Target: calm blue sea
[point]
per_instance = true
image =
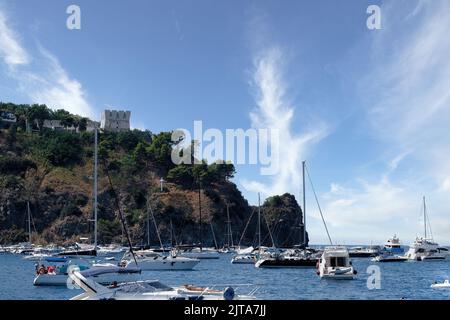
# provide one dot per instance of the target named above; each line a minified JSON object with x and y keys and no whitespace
{"x":408,"y":280}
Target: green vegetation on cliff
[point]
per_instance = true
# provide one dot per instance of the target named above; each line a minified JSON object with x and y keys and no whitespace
{"x":53,"y":171}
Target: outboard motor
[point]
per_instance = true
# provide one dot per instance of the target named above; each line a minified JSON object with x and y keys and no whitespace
{"x":228,"y":294}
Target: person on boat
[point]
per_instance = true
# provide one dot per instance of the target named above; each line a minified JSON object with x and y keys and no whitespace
{"x":42,"y":270}
{"x":50,"y":269}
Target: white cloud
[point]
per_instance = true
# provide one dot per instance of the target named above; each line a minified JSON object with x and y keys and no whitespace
{"x":52,"y":85}
{"x":408,"y":110}
{"x":275,"y":112}
{"x":10,"y":49}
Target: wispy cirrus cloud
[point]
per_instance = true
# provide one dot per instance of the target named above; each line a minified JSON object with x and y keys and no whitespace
{"x":51,"y":85}
{"x":274,"y":112}
{"x":408,"y":112}
{"x":10,"y":50}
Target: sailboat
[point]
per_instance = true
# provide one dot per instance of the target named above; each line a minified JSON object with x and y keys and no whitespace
{"x":198,"y":252}
{"x":150,"y":260}
{"x":293,"y":258}
{"x":424,"y":248}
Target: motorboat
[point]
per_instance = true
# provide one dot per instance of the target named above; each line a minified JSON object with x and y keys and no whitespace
{"x":101,"y":273}
{"x":424,"y":250}
{"x":393,"y":245}
{"x":363,"y":252}
{"x":199,"y":253}
{"x":335,"y":264}
{"x":389,"y":257}
{"x":244,"y":259}
{"x":153,"y":261}
{"x":149,"y":290}
{"x":288,"y":259}
{"x":443,"y":285}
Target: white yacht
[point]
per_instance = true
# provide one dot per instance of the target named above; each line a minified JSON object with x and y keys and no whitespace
{"x":443,"y":285}
{"x":244,"y":259}
{"x":335,"y":264}
{"x":393,"y":245}
{"x":423,"y":248}
{"x":149,"y":290}
{"x":151,"y":261}
{"x":199,"y":253}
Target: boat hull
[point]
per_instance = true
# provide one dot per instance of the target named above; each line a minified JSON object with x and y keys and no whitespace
{"x":61,"y":280}
{"x":167,"y":264}
{"x":286,"y":263}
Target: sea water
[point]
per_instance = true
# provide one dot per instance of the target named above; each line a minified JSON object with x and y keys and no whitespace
{"x":402,"y":280}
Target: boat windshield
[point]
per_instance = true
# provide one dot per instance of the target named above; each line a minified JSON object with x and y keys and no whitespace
{"x":338,"y":261}
{"x":144,"y":287}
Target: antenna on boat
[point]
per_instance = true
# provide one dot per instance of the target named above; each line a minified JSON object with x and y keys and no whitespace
{"x":318,"y":205}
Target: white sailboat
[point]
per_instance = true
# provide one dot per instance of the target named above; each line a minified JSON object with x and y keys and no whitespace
{"x":424,"y":248}
{"x":153,"y":261}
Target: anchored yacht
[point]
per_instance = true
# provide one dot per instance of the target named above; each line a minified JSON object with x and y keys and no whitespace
{"x":335,"y":264}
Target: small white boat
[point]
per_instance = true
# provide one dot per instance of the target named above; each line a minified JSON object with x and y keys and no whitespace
{"x":244,"y":259}
{"x":387,"y":257}
{"x":444,"y":285}
{"x":37,"y":257}
{"x":149,"y":290}
{"x":154,"y":261}
{"x":335,"y":264}
{"x":197,"y":253}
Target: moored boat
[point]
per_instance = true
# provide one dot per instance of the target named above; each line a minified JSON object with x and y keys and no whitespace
{"x":335,"y":264}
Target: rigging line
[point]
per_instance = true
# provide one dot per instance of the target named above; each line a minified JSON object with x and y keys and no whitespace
{"x":246,"y":226}
{"x":268,"y":228}
{"x":214,"y":235}
{"x":318,"y":205}
{"x":122,"y":219}
{"x":149,"y":206}
{"x":428,"y":223}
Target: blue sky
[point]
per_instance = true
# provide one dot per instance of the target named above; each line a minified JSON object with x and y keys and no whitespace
{"x":370,"y":108}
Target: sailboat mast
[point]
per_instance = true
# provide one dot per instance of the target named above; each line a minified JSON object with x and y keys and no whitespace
{"x":425,"y":217}
{"x":229,"y":233}
{"x":200,"y":213}
{"x":29,"y":221}
{"x":259,"y":220}
{"x":304,"y":204}
{"x":171,"y":233}
{"x":95,"y":186}
{"x":148,"y":228}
